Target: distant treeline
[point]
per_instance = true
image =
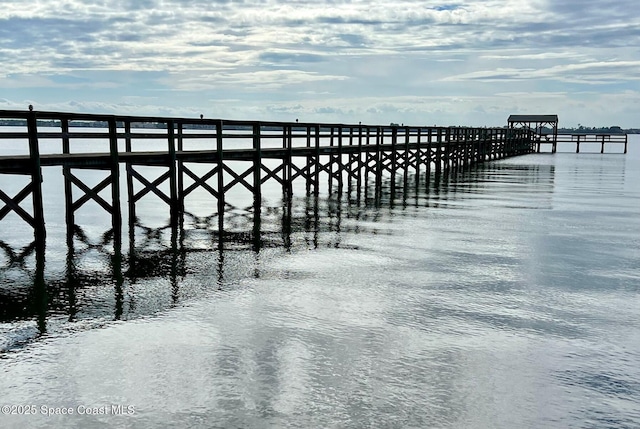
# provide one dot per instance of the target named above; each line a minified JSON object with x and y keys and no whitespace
{"x":91,"y":124}
{"x":159,"y":125}
{"x":119,"y":124}
{"x":594,"y":130}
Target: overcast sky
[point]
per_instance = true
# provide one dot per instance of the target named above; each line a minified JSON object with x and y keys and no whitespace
{"x":424,"y":62}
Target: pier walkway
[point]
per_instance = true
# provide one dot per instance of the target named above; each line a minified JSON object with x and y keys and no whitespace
{"x":341,"y":153}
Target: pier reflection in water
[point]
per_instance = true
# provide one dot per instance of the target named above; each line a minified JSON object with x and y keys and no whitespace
{"x":185,"y":260}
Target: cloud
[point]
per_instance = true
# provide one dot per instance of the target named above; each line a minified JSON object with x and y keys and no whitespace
{"x":359,"y":58}
{"x":587,"y":73}
{"x":289,"y":57}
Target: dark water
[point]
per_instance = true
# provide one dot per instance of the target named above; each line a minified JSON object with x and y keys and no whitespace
{"x":503,"y":297}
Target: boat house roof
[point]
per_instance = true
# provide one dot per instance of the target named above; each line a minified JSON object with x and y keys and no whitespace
{"x":533,"y":118}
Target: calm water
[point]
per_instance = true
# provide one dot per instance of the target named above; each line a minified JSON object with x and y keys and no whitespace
{"x":503,"y":297}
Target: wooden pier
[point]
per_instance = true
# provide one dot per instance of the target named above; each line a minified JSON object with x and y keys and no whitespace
{"x":346,"y":155}
{"x":545,"y":129}
{"x":588,"y":140}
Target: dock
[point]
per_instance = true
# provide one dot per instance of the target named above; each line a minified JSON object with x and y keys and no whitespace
{"x":350,"y":155}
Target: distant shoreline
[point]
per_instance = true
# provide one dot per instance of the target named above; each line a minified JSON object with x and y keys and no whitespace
{"x":101,"y":124}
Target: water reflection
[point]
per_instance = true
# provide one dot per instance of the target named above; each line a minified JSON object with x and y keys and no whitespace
{"x":151,"y":275}
{"x":101,"y":282}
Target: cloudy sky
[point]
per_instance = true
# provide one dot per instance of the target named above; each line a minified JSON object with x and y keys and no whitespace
{"x":426,"y":62}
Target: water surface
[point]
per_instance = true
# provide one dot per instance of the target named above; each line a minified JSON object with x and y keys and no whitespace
{"x":505,"y":296}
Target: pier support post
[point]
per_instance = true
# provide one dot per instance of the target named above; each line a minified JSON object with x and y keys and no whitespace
{"x":340,"y":163}
{"x":219,"y":145}
{"x":36,"y":182}
{"x":429,"y":155}
{"x":438,"y":161}
{"x":406,"y":158}
{"x":180,"y":171}
{"x":626,"y":139}
{"x":287,"y":181}
{"x":173,"y":195}
{"x":394,"y":159}
{"x":116,"y":215}
{"x":379,"y":166}
{"x":309,"y":161}
{"x":330,"y":166}
{"x":419,"y":154}
{"x":316,"y":173}
{"x":361,"y":165}
{"x":130,"y":191}
{"x":68,"y":193}
{"x":350,"y":160}
{"x":257,"y":186}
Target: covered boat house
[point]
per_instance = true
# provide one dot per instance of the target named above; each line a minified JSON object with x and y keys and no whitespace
{"x":544,"y":126}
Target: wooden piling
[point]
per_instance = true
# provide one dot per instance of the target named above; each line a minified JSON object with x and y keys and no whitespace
{"x":116,"y":215}
{"x":220,"y":159}
{"x":438,"y":160}
{"x":36,"y":182}
{"x":180,"y":169}
{"x":68,"y":192}
{"x":340,"y":161}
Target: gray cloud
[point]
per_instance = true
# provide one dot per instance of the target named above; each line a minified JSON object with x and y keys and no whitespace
{"x":290,"y":57}
{"x":320,"y":55}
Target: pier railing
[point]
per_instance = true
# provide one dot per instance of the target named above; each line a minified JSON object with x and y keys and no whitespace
{"x":343,"y":153}
{"x":582,"y":139}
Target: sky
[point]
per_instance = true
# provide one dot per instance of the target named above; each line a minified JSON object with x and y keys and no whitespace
{"x":424,"y":62}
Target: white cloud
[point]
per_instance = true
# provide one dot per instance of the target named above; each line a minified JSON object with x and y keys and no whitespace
{"x":586,"y":73}
{"x":354,"y":58}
